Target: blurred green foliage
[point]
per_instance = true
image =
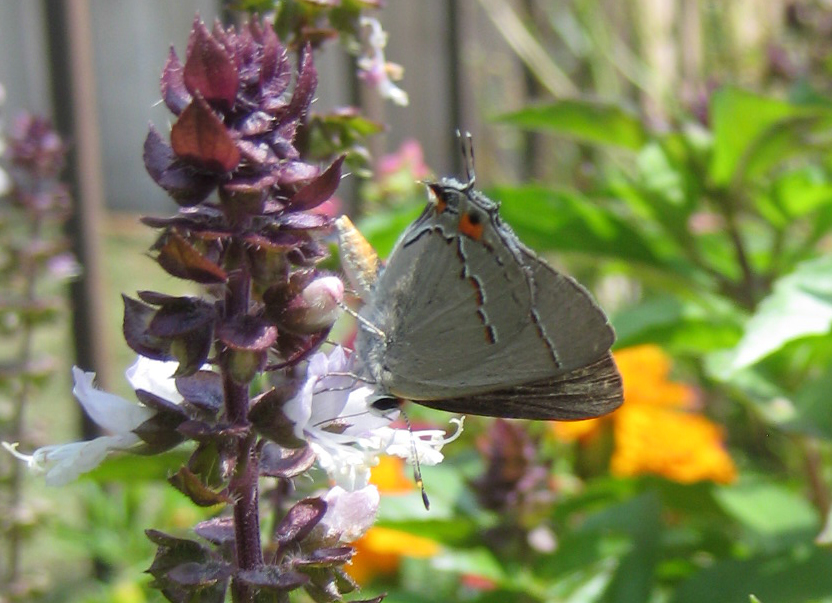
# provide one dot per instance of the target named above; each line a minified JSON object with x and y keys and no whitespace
{"x":722,"y":231}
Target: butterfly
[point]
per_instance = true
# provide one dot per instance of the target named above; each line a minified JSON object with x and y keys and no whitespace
{"x":465,"y":318}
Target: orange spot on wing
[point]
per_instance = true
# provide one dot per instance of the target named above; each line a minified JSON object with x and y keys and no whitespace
{"x":470,"y":228}
{"x":477,"y":291}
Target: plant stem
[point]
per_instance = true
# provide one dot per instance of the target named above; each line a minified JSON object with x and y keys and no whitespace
{"x":747,"y":293}
{"x":244,"y":486}
{"x":814,"y":470}
{"x":29,"y":271}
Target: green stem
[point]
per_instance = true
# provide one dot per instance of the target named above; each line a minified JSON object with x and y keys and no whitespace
{"x":29,"y":271}
{"x":813,"y":462}
{"x":747,"y":293}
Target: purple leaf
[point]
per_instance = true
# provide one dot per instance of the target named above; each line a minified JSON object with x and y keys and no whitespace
{"x":172,"y":85}
{"x":267,"y":417}
{"x":159,"y":432}
{"x":304,"y":221}
{"x":272,"y":578}
{"x":203,"y":390}
{"x":209,"y":70}
{"x":275,"y":70}
{"x":137,"y":318}
{"x":159,"y":404}
{"x":181,"y":315}
{"x":295,"y":174}
{"x":200,"y":136}
{"x":200,"y":574}
{"x":326,"y":557}
{"x":219,"y":530}
{"x":305,"y":86}
{"x":255,"y":124}
{"x":249,"y":333}
{"x":319,"y":190}
{"x":186,"y":186}
{"x":182,"y":260}
{"x":296,"y":348}
{"x":285,"y":463}
{"x":299,"y":521}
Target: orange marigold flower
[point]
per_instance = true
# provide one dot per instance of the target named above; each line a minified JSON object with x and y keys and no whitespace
{"x":379,"y":551}
{"x":657,"y":430}
{"x":645,"y":370}
{"x":389,"y":476}
{"x":570,"y":431}
{"x":681,"y":446}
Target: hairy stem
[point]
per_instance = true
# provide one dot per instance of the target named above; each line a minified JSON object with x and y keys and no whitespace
{"x":244,"y":487}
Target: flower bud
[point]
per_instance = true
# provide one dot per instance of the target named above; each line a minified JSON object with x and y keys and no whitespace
{"x":316,"y":307}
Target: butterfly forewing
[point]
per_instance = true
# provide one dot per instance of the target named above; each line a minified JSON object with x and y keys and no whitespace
{"x":470,"y":319}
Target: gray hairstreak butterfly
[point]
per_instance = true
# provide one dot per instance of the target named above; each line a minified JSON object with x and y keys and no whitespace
{"x":465,"y":318}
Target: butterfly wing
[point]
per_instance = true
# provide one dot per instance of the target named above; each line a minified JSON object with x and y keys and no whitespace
{"x":457,"y":312}
{"x":582,"y":393}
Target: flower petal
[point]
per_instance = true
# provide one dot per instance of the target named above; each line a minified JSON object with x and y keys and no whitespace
{"x":111,"y":412}
{"x":156,"y":377}
{"x":351,"y":514}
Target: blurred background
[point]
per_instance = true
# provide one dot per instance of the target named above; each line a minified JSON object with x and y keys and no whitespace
{"x":672,"y":154}
{"x":94,"y":68}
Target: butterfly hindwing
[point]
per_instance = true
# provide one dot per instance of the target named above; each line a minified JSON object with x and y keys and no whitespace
{"x":475,"y":322}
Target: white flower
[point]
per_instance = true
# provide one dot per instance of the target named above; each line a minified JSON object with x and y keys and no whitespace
{"x":374,"y":68}
{"x":349,"y":514}
{"x":345,"y":433}
{"x":63,"y":463}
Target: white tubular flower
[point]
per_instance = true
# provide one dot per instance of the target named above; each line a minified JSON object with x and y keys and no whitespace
{"x":346,"y":435}
{"x":63,"y":463}
{"x":350,"y":514}
{"x":374,"y":68}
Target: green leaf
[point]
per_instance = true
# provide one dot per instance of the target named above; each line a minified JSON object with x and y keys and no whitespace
{"x":800,"y":192}
{"x":577,"y":552}
{"x":799,"y":306}
{"x":139,"y":468}
{"x":584,"y":120}
{"x":660,"y":194}
{"x":775,"y":515}
{"x":382,"y":230}
{"x":658,"y":175}
{"x":565,"y":221}
{"x":739,"y":118}
{"x":786,"y":578}
{"x":476,"y":562}
{"x":813,"y":407}
{"x":543,"y":219}
{"x":681,"y":325}
{"x":780,"y":141}
{"x":442,"y":485}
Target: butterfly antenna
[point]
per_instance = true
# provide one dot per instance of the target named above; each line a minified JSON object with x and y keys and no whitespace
{"x":362,"y":320}
{"x":417,"y":466}
{"x":466,"y":143}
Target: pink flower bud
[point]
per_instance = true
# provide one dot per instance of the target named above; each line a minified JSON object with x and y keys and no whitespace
{"x":322,"y":300}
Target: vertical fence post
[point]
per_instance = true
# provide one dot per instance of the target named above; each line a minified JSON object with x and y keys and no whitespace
{"x":76,"y":117}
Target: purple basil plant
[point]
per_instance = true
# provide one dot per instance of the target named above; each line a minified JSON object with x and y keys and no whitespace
{"x":34,"y":257}
{"x":236,"y":163}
